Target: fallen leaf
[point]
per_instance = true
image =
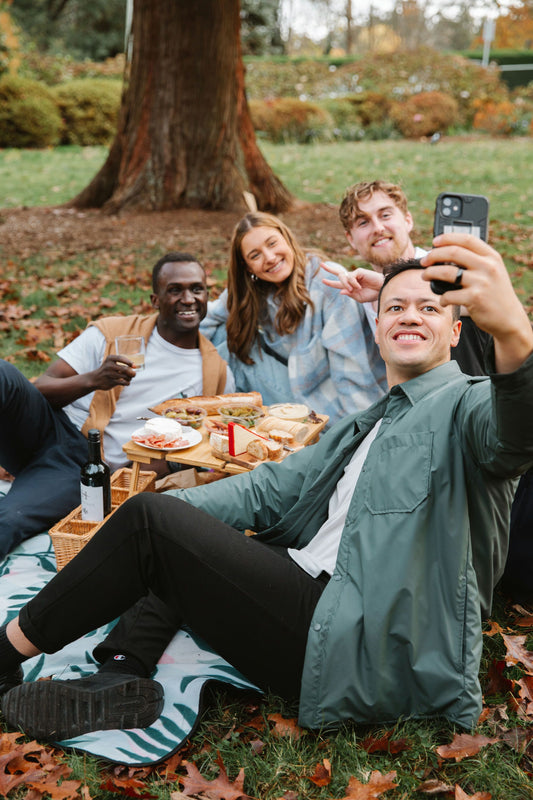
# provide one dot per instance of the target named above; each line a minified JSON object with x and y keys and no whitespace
{"x":460,"y":795}
{"x":322,"y":774}
{"x":385,"y":744}
{"x":376,"y":786}
{"x":498,"y":683}
{"x":131,"y":787}
{"x":66,"y":790}
{"x":285,"y":727}
{"x":464,"y":745}
{"x":524,"y":622}
{"x":434,"y":786}
{"x":526,"y":688}
{"x":517,"y":738}
{"x":221,"y":788}
{"x":517,"y":653}
{"x":521,"y":610}
{"x":493,"y":628}
{"x":169,"y":766}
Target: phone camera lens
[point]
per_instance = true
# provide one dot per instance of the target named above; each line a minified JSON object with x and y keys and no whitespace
{"x":446,"y":212}
{"x":447,"y":201}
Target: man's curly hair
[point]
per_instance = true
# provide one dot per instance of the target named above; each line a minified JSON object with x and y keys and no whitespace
{"x":349,"y":210}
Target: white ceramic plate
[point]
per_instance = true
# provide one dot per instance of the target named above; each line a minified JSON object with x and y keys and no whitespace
{"x":191,"y":436}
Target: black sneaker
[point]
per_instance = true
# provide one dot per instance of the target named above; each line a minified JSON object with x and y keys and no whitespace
{"x":64,"y":709}
{"x":8,"y":680}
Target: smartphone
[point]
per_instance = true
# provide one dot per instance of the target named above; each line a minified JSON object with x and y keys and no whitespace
{"x":456,"y":212}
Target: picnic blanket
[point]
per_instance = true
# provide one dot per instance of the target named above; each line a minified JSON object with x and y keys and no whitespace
{"x":184,"y":670}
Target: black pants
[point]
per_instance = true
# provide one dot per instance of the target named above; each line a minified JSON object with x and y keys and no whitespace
{"x":245,"y":599}
{"x":44,"y":451}
{"x":517,"y":581}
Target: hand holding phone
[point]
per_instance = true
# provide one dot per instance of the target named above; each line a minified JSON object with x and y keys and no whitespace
{"x":456,"y":212}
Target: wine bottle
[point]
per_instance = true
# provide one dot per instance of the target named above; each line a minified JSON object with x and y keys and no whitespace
{"x":95,"y":483}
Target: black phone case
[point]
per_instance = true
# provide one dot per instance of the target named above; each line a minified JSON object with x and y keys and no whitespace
{"x":456,"y":212}
{"x":468,"y":213}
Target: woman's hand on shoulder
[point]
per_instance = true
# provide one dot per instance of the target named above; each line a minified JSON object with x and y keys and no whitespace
{"x":362,"y":285}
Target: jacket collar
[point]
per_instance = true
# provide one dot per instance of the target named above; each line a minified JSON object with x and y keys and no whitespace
{"x":414,"y":390}
{"x":417,"y":388}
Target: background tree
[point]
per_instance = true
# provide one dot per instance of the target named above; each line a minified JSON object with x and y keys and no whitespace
{"x":514,"y":28}
{"x":409,"y":21}
{"x":454,"y":33}
{"x":260,"y":27}
{"x":92,"y":30}
{"x":185,"y":137}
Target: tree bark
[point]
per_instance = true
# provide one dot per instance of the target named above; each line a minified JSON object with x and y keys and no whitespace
{"x":185,"y":137}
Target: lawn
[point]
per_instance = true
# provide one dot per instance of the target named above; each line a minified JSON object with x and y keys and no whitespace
{"x":50,"y":286}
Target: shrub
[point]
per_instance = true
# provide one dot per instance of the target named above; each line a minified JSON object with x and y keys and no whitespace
{"x":393,"y":75}
{"x":372,"y":107}
{"x":425,"y":114}
{"x":499,"y":118}
{"x":55,"y":69}
{"x":347,"y":124}
{"x":89,"y":109}
{"x":29,"y":116}
{"x":289,"y":120}
{"x":360,"y":116}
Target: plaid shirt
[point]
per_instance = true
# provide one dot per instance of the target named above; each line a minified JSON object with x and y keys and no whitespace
{"x":334,"y":365}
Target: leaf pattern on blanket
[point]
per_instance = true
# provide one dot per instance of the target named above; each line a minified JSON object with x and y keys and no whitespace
{"x":184,"y":670}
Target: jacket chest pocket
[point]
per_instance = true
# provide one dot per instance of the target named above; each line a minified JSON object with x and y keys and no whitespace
{"x":399,"y":473}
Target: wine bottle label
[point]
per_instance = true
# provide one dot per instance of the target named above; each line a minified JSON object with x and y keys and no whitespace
{"x":92,"y":503}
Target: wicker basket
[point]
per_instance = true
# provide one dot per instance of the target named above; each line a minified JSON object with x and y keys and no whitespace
{"x":72,"y":533}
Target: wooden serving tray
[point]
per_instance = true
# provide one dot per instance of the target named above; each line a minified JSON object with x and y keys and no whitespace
{"x":249,"y":462}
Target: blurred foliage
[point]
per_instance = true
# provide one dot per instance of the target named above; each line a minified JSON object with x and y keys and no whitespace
{"x":29,"y":116}
{"x":286,"y":119}
{"x":89,"y":108}
{"x":501,"y":118}
{"x":260,"y":27}
{"x":425,"y":114}
{"x":92,"y":30}
{"x":9,"y":41}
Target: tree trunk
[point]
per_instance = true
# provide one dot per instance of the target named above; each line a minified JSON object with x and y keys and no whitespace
{"x":185,"y":137}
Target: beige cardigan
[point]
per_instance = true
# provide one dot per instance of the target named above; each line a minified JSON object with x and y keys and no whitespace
{"x":103,"y":404}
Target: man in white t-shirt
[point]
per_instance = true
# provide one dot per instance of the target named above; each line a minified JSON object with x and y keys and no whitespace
{"x":42,"y":425}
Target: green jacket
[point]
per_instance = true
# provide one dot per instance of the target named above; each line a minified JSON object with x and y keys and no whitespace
{"x":397,"y":631}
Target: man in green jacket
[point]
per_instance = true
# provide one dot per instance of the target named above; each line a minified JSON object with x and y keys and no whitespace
{"x":358,"y":595}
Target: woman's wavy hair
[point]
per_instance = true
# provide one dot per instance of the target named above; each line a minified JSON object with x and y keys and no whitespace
{"x":247,"y":307}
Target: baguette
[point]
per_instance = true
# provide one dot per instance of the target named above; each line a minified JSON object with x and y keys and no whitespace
{"x":297,"y":429}
{"x":257,"y":449}
{"x":275,"y":449}
{"x":210,"y":404}
{"x":283,"y":437}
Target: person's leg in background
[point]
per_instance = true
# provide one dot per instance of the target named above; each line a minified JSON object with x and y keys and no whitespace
{"x":44,"y":451}
{"x":517,"y":580}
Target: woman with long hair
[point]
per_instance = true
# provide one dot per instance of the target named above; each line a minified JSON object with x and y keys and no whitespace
{"x":286,"y":334}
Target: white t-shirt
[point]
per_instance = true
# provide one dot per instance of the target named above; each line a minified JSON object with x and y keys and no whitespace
{"x":170,"y":371}
{"x":320,"y":555}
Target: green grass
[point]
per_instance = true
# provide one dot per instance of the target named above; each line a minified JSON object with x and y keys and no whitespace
{"x":59,"y":292}
{"x":46,"y":177}
{"x":494,"y":167}
{"x":499,"y":168}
